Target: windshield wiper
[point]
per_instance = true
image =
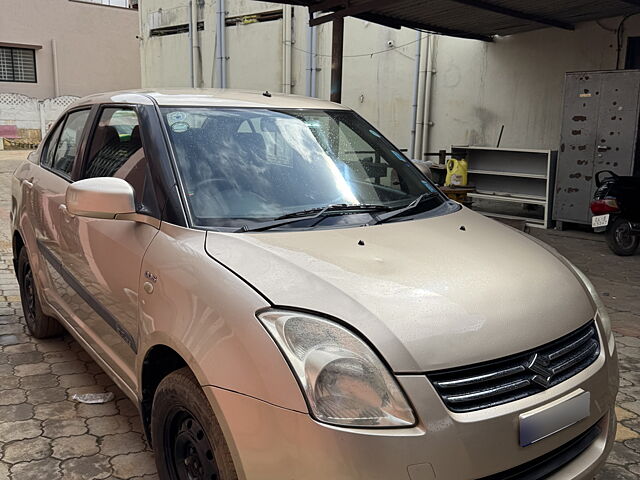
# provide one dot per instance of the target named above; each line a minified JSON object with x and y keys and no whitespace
{"x":400,"y":211}
{"x":310,"y":214}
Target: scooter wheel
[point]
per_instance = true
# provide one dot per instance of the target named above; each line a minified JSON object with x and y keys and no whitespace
{"x":621,"y":239}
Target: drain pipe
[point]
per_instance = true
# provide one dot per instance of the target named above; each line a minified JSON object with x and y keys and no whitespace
{"x":309,"y":56}
{"x":223,"y":41}
{"x":312,"y":58}
{"x":314,"y":62}
{"x":416,"y":91}
{"x":286,"y":49}
{"x":191,"y":66}
{"x":420,"y":120}
{"x":195,"y":45}
{"x":56,"y":75}
{"x":427,"y":94}
{"x":220,"y":46}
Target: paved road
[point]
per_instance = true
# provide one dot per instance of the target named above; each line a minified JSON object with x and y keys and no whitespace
{"x":46,"y":436}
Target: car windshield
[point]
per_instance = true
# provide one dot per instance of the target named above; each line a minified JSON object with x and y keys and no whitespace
{"x":241,"y":166}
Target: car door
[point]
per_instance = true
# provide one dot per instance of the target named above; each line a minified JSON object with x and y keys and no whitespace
{"x":103,"y":257}
{"x":49,"y":185}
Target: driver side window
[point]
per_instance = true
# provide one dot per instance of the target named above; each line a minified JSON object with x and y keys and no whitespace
{"x":116,"y":151}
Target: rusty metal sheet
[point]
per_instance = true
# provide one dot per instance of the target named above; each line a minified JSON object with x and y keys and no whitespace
{"x":599,"y":132}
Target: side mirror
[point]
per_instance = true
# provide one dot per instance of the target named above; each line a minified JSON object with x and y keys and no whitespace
{"x":102,"y":197}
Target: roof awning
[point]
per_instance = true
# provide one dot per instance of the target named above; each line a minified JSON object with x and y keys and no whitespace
{"x":477,"y":19}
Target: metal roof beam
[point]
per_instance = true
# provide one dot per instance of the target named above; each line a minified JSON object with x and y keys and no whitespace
{"x":349,"y":10}
{"x":386,"y":21}
{"x":481,"y":4}
{"x":327,"y":5}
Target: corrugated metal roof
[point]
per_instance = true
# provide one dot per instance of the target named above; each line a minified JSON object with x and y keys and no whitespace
{"x":474,"y":18}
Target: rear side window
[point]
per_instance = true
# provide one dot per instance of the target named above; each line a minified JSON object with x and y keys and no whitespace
{"x":67,"y":148}
{"x":50,"y":147}
{"x":116,"y":151}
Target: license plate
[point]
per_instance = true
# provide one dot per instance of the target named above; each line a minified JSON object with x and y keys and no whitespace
{"x":554,"y":417}
{"x":600,"y":221}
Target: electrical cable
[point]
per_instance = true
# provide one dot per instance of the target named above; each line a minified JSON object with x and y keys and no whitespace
{"x":390,"y":49}
{"x":620,"y":38}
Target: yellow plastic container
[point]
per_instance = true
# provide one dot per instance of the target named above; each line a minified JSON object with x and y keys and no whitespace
{"x":456,"y":173}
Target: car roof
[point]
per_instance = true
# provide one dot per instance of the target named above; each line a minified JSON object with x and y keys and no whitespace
{"x":210,"y":97}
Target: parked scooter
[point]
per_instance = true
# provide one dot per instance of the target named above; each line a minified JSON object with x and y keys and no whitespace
{"x":616,"y":210}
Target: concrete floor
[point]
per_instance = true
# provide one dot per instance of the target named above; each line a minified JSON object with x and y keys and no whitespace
{"x":45,"y":435}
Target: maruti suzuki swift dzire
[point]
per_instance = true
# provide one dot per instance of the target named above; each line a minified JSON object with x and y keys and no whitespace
{"x":271,"y":282}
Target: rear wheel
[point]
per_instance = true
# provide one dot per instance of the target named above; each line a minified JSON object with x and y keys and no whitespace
{"x":621,"y":238}
{"x":186,"y":436}
{"x":39,"y":324}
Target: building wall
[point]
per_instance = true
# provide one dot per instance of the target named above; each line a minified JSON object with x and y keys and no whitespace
{"x":477,"y":87}
{"x":515,"y":81}
{"x":97,"y":49}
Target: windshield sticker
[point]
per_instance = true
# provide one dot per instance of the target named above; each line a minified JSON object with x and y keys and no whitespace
{"x":180,"y":127}
{"x":175,"y":117}
{"x":374,"y":133}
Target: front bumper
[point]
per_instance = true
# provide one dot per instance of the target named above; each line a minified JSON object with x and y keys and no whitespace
{"x":269,"y":442}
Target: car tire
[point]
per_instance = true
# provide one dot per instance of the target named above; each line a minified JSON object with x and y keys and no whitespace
{"x":186,"y":436}
{"x":39,"y":324}
{"x":620,"y":239}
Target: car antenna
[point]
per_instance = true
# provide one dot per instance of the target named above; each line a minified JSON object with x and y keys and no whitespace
{"x":266,"y":94}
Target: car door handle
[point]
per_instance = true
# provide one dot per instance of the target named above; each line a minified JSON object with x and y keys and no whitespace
{"x":63,"y":208}
{"x":27,"y":183}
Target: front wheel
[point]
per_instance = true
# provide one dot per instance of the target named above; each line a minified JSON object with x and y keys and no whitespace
{"x":187,"y":438}
{"x":621,"y":238}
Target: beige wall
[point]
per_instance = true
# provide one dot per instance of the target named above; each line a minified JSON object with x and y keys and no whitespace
{"x":97,"y":48}
{"x":516,"y":81}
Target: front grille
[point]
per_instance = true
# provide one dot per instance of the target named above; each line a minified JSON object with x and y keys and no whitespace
{"x":507,"y":379}
{"x":549,"y":463}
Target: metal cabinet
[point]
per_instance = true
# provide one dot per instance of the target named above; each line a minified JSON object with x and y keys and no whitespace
{"x":599,"y":132}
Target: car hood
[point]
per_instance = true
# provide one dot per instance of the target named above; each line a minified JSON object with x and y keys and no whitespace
{"x":428,"y":294}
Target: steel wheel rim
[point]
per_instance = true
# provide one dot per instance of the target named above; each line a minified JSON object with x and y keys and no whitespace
{"x":187,"y":448}
{"x":623,"y":235}
{"x":29,"y":295}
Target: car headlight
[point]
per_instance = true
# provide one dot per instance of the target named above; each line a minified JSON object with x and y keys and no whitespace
{"x":343,"y":380}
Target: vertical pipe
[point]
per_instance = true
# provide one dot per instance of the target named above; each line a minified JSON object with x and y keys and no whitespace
{"x":223,"y":41}
{"x":43,"y":124}
{"x":309,"y":57}
{"x":219,"y":44}
{"x":286,"y":49}
{"x":416,"y":91}
{"x":314,"y":59}
{"x":191,"y":66}
{"x":337,"y":48}
{"x":56,"y":77}
{"x":419,"y":154}
{"x":427,"y":95}
{"x":195,"y":47}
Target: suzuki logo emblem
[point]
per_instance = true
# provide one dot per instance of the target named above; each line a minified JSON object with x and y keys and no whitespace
{"x":537,"y":364}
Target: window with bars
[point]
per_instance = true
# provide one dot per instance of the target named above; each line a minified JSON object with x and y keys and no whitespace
{"x":17,"y":65}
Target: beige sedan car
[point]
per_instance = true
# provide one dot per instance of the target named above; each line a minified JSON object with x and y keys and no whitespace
{"x":286,"y":296}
